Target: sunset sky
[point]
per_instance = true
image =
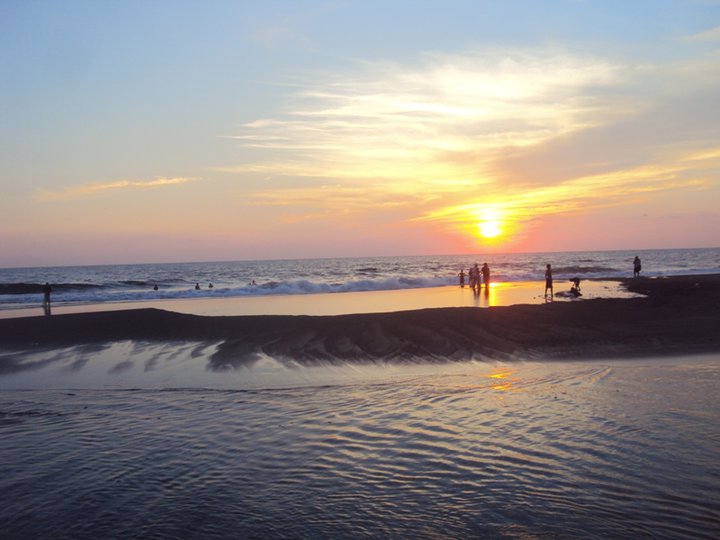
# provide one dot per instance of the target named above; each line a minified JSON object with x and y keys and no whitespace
{"x":156,"y":131}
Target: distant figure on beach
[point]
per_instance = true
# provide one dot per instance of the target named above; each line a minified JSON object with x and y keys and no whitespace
{"x":197,"y":286}
{"x":548,"y":281}
{"x":575,"y":287}
{"x":486,"y":275}
{"x":475,"y":279}
{"x":155,"y":288}
{"x":46,"y":297}
{"x":461,"y":275}
{"x":637,"y":266}
{"x":210,"y":285}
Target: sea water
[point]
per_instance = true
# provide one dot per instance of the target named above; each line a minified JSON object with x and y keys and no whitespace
{"x":22,"y":287}
{"x":139,"y":441}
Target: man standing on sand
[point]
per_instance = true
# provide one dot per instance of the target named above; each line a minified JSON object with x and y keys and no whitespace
{"x":548,"y":281}
{"x":637,"y":266}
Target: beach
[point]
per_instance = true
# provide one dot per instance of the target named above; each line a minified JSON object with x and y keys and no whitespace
{"x":674,"y":316}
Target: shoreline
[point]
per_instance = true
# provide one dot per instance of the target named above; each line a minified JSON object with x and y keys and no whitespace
{"x":347,"y":303}
{"x":679,"y":316}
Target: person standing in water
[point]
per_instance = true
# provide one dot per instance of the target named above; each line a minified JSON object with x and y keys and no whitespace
{"x":637,"y":266}
{"x":461,"y":275}
{"x":471,"y":277}
{"x":486,"y":275}
{"x":46,"y":297}
{"x":548,"y":281}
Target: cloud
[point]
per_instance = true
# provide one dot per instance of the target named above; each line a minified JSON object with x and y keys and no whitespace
{"x":327,"y":201}
{"x":91,"y":189}
{"x":708,"y":35}
{"x":512,"y":135}
{"x":446,"y":118}
{"x":703,"y":155}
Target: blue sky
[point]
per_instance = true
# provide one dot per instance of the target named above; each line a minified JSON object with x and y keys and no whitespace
{"x":167,"y":131}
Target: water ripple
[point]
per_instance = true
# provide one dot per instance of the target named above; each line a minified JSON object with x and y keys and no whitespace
{"x":504,"y":452}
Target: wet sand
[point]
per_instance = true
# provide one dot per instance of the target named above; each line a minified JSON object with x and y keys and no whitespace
{"x":679,"y":316}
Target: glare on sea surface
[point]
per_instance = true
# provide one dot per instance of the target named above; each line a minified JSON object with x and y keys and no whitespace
{"x":501,"y":379}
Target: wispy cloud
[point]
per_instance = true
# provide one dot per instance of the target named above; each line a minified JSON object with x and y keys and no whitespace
{"x":708,"y":35}
{"x":115,"y":185}
{"x":430,"y":143}
{"x":337,"y":200}
{"x":704,"y":155}
{"x":447,"y":118}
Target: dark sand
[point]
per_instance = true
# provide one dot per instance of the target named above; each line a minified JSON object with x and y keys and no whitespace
{"x":679,"y":316}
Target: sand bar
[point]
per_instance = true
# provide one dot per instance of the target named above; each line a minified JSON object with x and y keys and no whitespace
{"x":679,"y":316}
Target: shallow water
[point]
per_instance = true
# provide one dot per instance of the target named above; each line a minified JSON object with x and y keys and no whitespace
{"x":517,"y":450}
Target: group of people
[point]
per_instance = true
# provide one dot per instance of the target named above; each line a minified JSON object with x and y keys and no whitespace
{"x":476,"y":277}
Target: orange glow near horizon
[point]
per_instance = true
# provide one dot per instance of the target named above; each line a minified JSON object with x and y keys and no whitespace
{"x":508,"y":217}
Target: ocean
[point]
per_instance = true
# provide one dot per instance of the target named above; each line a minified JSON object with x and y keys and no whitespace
{"x":22,"y":287}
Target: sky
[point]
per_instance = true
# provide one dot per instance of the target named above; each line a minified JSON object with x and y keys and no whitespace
{"x":172,"y":131}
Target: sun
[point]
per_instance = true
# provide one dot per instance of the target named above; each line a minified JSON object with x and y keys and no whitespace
{"x":489,"y":229}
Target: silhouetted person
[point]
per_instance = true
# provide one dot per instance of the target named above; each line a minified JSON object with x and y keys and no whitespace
{"x":475,"y":278}
{"x":46,"y":294}
{"x":210,"y":285}
{"x":548,"y":280}
{"x":637,"y":266}
{"x":155,"y":288}
{"x":461,"y":275}
{"x":486,"y":275}
{"x":197,"y":286}
{"x":575,"y":287}
{"x":46,"y":297}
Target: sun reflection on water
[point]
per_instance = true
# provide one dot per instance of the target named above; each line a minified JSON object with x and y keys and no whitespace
{"x":501,"y":379}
